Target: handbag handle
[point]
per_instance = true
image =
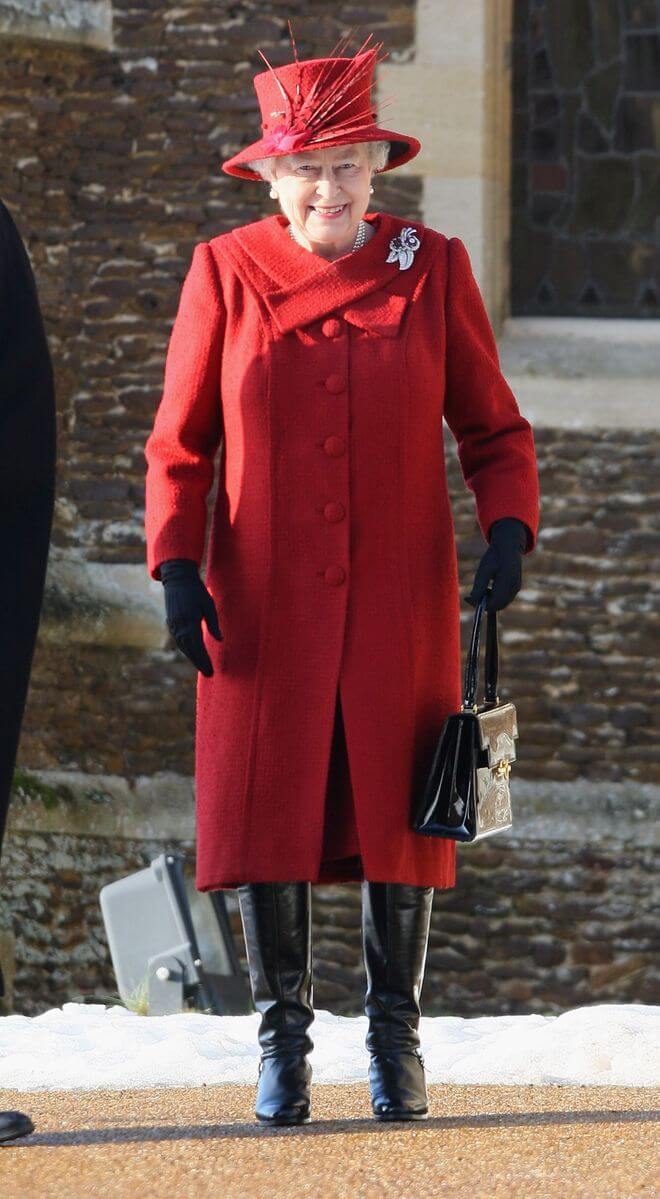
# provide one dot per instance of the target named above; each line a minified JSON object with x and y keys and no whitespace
{"x":471,"y":677}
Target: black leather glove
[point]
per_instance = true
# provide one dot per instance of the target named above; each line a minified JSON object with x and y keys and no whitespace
{"x":501,"y":562}
{"x":187,"y":601}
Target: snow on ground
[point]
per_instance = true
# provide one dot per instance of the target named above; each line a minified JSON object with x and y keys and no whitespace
{"x":91,"y":1046}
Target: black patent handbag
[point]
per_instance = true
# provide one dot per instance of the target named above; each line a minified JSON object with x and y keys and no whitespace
{"x":467,"y":794}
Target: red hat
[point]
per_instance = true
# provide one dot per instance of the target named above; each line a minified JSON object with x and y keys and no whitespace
{"x":317,"y":102}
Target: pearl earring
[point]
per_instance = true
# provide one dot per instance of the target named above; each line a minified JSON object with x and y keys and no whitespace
{"x":371,"y":191}
{"x":272,"y":193}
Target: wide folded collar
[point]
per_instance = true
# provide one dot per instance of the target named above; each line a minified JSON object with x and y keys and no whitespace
{"x":299,"y":286}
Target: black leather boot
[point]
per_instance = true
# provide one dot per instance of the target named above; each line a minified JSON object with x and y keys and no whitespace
{"x":396,"y":918}
{"x":277,"y":924}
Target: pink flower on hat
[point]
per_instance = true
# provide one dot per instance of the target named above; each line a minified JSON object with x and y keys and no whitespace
{"x":286,"y":140}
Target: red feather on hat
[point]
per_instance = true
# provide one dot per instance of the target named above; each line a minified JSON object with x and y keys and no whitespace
{"x":316,"y":117}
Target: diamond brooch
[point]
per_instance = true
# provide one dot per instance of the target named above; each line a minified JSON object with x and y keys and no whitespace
{"x":402,"y":247}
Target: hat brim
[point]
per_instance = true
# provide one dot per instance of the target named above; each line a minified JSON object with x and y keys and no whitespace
{"x":402,"y":149}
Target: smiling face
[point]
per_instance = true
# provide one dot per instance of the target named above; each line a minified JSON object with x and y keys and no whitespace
{"x":311,"y":184}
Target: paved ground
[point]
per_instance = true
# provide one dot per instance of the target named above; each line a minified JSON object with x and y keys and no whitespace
{"x":483,"y":1142}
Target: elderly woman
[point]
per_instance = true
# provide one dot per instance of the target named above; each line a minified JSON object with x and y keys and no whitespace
{"x":321,"y":347}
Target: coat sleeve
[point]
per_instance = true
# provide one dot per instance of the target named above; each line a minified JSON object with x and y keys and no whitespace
{"x":188,"y":425}
{"x":495,"y":442}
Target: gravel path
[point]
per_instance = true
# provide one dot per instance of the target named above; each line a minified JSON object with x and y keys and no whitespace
{"x":480,"y":1142}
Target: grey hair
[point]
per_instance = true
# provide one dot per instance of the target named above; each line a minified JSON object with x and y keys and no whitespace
{"x":377,"y":153}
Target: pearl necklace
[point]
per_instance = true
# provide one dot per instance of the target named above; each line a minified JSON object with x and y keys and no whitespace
{"x":360,"y":236}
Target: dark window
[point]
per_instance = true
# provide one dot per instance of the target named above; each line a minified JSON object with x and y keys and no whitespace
{"x":586,"y":158}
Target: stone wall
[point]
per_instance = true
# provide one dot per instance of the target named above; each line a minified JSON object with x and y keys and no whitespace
{"x":111,"y":168}
{"x":534,"y":924}
{"x":553,"y":919}
{"x":579,"y":644}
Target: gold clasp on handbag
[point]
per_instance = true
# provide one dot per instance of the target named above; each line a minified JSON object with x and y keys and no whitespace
{"x":503,"y":769}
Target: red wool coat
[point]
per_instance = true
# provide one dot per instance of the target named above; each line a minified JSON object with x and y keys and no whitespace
{"x":331,"y":554}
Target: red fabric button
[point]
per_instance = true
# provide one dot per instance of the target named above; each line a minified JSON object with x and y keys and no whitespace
{"x":334,"y":575}
{"x":335,"y":383}
{"x":332,"y":327}
{"x":334,"y":446}
{"x":334,"y":511}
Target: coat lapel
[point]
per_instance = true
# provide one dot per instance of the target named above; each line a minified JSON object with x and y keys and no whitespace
{"x":298,"y":286}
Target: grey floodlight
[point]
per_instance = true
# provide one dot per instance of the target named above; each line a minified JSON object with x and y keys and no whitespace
{"x":171,"y":946}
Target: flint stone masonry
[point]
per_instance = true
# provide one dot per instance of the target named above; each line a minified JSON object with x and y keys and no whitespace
{"x":110,"y":167}
{"x":111,"y":762}
{"x":534,"y":926}
{"x":578,"y":646}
